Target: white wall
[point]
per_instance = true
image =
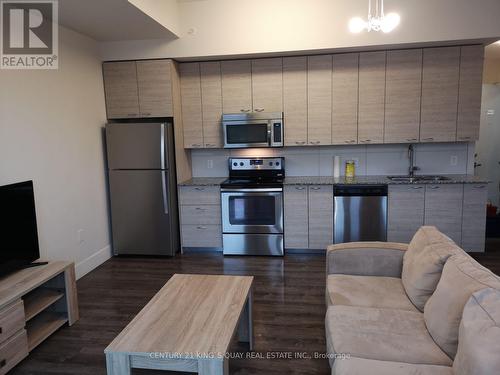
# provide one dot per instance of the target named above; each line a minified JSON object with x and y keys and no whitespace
{"x":50,"y":132}
{"x":238,"y":27}
{"x":370,"y":159}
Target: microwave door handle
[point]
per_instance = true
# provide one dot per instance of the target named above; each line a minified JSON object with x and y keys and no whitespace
{"x":269,"y":133}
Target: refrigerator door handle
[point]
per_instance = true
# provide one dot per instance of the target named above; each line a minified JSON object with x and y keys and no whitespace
{"x":164,"y":189}
{"x":162,"y":146}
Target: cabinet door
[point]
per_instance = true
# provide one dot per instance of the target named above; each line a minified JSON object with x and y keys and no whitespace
{"x":371,"y":97}
{"x":440,"y":73}
{"x":191,"y":104}
{"x":154,"y":80}
{"x":201,"y":235}
{"x":320,"y":216}
{"x":296,"y":217}
{"x":469,"y":93}
{"x":295,"y":100}
{"x":474,"y":217}
{"x":405,"y":212}
{"x":443,"y":209}
{"x":319,"y":100}
{"x":345,"y":98}
{"x":267,"y":85}
{"x":211,"y":100}
{"x":120,"y":86}
{"x":236,"y":86}
{"x":402,"y":96}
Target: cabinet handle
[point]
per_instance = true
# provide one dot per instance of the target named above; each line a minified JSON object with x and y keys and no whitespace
{"x":315,"y":142}
{"x":428,"y":139}
{"x":366,"y":140}
{"x":146,"y":114}
{"x":199,"y":188}
{"x":315,"y":188}
{"x":299,"y":188}
{"x":195,"y":145}
{"x":479,"y":187}
{"x":351,"y":141}
{"x":201,"y":227}
{"x":210,"y":144}
{"x":3,"y":362}
{"x":300,"y":142}
{"x":433,"y":187}
{"x":464,"y":137}
{"x":416,"y":187}
{"x":200,"y":209}
{"x":411,"y":139}
{"x":244,"y":110}
{"x":259,"y":109}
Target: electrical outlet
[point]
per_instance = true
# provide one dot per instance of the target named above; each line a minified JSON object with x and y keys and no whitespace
{"x":210,"y":163}
{"x":454,"y":160}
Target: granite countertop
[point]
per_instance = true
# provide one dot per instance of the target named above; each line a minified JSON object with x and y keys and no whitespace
{"x":328,"y":180}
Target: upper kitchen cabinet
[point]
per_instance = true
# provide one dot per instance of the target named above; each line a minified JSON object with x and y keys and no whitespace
{"x":138,"y":89}
{"x":191,"y":104}
{"x":402,"y":96}
{"x":120,"y":86}
{"x":440,"y":76}
{"x":345,"y":99}
{"x":236,"y":86}
{"x":319,"y":100}
{"x":267,"y":85}
{"x":371,"y":106}
{"x":154,"y":81}
{"x":211,"y":94}
{"x":295,"y":100}
{"x":469,"y":92}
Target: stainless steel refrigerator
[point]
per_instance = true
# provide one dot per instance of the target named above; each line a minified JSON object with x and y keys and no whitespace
{"x":142,"y":186}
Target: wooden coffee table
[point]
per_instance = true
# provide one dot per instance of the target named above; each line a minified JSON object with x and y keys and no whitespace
{"x":187,"y":326}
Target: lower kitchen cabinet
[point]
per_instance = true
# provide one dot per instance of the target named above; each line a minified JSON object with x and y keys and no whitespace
{"x":296,"y":221}
{"x":320,"y":216}
{"x":406,"y":206}
{"x":474,"y":217}
{"x":443,"y":209}
{"x":200,"y":216}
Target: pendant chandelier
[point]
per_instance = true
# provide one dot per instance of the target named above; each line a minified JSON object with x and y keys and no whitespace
{"x":377,"y":20}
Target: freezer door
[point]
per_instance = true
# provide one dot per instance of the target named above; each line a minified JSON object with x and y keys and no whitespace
{"x":140,"y":216}
{"x":137,"y":146}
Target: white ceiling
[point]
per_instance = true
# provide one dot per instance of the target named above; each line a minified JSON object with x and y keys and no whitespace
{"x":110,"y":20}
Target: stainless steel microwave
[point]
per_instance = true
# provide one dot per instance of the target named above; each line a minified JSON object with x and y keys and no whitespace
{"x":254,"y":129}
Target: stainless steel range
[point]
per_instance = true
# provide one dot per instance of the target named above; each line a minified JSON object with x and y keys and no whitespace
{"x":252,"y":207}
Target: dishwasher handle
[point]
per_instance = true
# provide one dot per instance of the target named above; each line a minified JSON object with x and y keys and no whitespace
{"x":360,"y":190}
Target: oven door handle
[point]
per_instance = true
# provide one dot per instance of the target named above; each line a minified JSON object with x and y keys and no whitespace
{"x":257,"y":190}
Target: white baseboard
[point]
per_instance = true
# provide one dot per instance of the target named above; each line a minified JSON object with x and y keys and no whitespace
{"x":93,"y":261}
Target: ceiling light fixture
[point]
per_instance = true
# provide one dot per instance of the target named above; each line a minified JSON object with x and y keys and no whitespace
{"x":377,"y":21}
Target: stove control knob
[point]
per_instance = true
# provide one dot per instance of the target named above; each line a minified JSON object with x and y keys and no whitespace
{"x":271,"y":163}
{"x":241,"y":164}
{"x":235,"y":164}
{"x":277,"y":163}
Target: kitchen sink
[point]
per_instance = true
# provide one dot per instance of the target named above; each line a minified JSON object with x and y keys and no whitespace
{"x":413,"y":179}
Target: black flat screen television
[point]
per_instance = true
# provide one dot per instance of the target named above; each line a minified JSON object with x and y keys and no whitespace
{"x":18,"y":229}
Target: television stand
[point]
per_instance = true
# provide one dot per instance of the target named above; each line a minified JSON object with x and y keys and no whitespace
{"x":34,"y":303}
{"x":35,"y":264}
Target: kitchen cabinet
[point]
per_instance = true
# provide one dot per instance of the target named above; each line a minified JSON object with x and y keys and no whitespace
{"x":440,"y":76}
{"x":267,"y":85}
{"x":474,"y":217}
{"x":345,"y":99}
{"x":236,"y":86}
{"x":200,"y":213}
{"x":120,"y":87}
{"x":443,"y":209}
{"x":296,"y":221}
{"x":295,"y":100}
{"x":402,"y":96}
{"x":320,"y":216}
{"x":319,"y":100}
{"x":405,"y":215}
{"x":469,"y":92}
{"x":371,"y":106}
{"x":211,"y":94}
{"x":154,"y":82}
{"x":138,"y":89}
{"x":191,"y":105}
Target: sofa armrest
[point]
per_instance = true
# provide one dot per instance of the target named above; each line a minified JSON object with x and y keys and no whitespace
{"x":366,"y":258}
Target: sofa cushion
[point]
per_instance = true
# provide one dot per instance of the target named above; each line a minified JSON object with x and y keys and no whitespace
{"x":461,"y":277}
{"x":479,"y":335}
{"x":422,"y":270}
{"x":425,"y":235}
{"x":367,"y":291}
{"x":382,"y":334}
{"x":361,"y":366}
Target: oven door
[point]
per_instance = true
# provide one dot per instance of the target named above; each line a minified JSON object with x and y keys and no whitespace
{"x":252,"y":211}
{"x":243,"y":134}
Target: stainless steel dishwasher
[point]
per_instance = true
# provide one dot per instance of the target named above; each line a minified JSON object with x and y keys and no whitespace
{"x":360,"y":213}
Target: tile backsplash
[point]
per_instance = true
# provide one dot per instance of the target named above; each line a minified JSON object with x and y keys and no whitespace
{"x":431,"y":158}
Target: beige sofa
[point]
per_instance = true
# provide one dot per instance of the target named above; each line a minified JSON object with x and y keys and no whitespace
{"x":420,"y":308}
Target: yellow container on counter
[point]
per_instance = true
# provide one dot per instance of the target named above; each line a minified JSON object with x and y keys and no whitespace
{"x":350,"y":168}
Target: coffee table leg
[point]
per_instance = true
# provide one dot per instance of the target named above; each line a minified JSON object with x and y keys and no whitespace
{"x":213,"y":367}
{"x":245,"y":329}
{"x":117,"y":364}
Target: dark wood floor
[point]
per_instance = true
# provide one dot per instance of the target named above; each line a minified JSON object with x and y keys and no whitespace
{"x":289,"y":310}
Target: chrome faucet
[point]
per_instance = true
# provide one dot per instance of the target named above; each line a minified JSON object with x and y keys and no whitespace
{"x":411,"y":157}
